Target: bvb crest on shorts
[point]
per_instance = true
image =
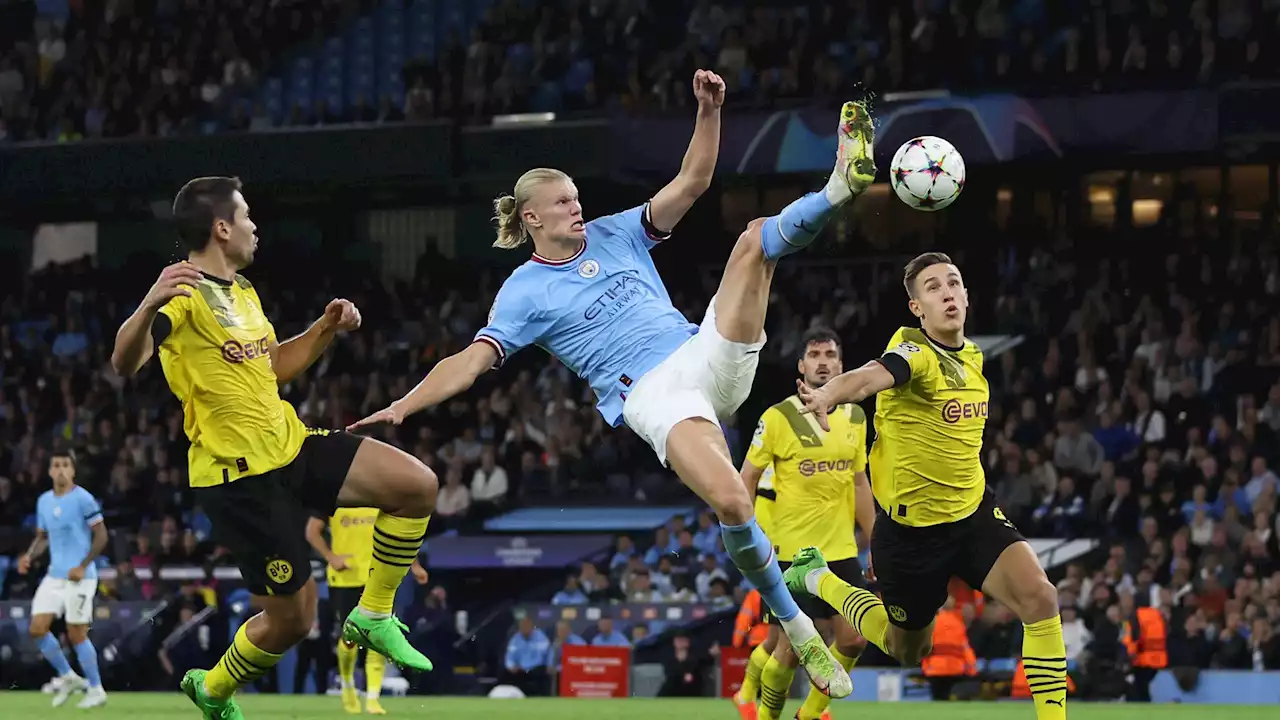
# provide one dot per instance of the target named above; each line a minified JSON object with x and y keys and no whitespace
{"x":897,"y":613}
{"x":279,"y":571}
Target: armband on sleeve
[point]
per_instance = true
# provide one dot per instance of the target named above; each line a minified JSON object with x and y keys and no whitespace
{"x":897,"y":366}
{"x":160,"y":328}
{"x":646,"y":221}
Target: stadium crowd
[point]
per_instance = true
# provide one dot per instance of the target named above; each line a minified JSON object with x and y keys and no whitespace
{"x":1142,"y":409}
{"x":140,"y":68}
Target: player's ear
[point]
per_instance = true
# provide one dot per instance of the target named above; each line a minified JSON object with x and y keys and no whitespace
{"x":914,"y":306}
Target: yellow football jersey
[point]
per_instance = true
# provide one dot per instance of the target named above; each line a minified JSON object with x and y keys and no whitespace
{"x":925,"y":461}
{"x":813,"y":476}
{"x":351,"y":534}
{"x":215,"y":357}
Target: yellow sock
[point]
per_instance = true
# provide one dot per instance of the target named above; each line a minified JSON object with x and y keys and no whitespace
{"x":396,"y":541}
{"x":347,"y":663}
{"x":241,"y":665}
{"x":751,"y":682}
{"x":1045,"y":658}
{"x":775,"y":686}
{"x":375,"y":667}
{"x":861,"y":608}
{"x":817,"y":703}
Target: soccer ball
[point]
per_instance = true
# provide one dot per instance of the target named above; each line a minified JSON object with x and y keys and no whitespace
{"x":927,"y":173}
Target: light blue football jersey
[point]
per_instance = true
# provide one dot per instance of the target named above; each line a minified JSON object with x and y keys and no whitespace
{"x":68,"y":521}
{"x":603,"y":312}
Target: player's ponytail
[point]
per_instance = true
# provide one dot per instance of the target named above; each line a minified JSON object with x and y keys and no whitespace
{"x":507,"y":209}
{"x":511,"y":234}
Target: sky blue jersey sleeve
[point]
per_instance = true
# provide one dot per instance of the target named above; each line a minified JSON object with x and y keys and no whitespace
{"x":512,"y":320}
{"x":90,"y":508}
{"x":634,"y":225}
{"x":41,"y":523}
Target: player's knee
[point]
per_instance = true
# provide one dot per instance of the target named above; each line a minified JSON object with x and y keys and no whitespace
{"x":749,"y":243}
{"x":422,"y":495}
{"x":77,"y":634}
{"x":38,"y":629}
{"x":731,"y":503}
{"x":1035,"y":600}
{"x":288,"y":625}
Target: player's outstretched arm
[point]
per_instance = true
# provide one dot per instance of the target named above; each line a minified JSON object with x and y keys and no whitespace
{"x":669,"y":206}
{"x":292,"y":357}
{"x":134,"y":345}
{"x":853,"y":386}
{"x":451,"y":376}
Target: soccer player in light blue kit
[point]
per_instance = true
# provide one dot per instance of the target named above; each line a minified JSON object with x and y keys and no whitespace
{"x":69,"y":523}
{"x":591,"y":296}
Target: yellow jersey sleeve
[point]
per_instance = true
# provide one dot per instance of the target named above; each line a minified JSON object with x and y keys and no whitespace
{"x":906,"y":346}
{"x":175,"y":313}
{"x":765,"y":440}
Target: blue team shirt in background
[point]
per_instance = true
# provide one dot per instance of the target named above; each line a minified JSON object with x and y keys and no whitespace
{"x":603,"y":312}
{"x":68,"y":520}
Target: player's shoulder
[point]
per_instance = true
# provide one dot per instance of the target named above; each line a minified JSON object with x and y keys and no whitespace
{"x":84,"y":494}
{"x":854,"y":412}
{"x":909,"y":339}
{"x":45,"y":498}
{"x":613,"y":223}
{"x":242,"y":282}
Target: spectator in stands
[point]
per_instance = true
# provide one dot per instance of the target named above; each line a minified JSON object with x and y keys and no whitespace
{"x":720,"y":596}
{"x":1075,"y":451}
{"x":707,"y":538}
{"x":624,"y":551}
{"x":997,"y":634}
{"x":708,"y":573}
{"x":489,"y":484}
{"x":663,"y":544}
{"x":639,"y":632}
{"x":684,"y":671}
{"x":639,"y":588}
{"x":607,"y":636}
{"x":525,"y":665}
{"x":589,"y":578}
{"x":453,"y":502}
{"x":564,"y":636}
{"x":1062,"y":513}
{"x":571,"y":593}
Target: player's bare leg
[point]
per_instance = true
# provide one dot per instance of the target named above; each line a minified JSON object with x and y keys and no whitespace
{"x":404,"y":490}
{"x":65,"y":681}
{"x":258,"y":645}
{"x":743,"y":296}
{"x":1018,"y":581}
{"x":87,"y":654}
{"x":697,"y":452}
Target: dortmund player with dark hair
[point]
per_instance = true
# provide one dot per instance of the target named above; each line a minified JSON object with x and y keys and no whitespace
{"x":820,"y":488}
{"x":936,"y":518}
{"x":257,"y":471}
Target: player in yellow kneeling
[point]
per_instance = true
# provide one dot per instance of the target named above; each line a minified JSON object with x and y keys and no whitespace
{"x":349,"y":558}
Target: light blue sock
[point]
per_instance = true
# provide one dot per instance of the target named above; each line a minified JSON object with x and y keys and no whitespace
{"x":53,"y":653}
{"x":796,"y":226}
{"x":752,"y":553}
{"x":87,"y":654}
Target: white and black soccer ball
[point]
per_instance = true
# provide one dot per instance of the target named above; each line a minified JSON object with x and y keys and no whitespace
{"x":927,"y":173}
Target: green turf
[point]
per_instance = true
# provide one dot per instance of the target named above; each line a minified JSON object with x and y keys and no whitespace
{"x":150,"y":706}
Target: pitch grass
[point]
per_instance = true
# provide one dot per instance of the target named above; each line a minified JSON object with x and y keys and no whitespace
{"x":154,"y":706}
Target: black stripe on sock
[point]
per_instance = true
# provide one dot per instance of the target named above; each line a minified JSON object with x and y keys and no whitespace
{"x":1044,"y":668}
{"x":245,"y":660}
{"x":394,"y":555}
{"x":773,"y":699}
{"x":393,"y":550}
{"x":379,"y":534}
{"x":392,"y":562}
{"x":1030,"y":658}
{"x":237,"y":671}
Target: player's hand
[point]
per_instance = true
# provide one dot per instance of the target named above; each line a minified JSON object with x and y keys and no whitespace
{"x":339,"y":562}
{"x":174,"y":281}
{"x":24,"y":564}
{"x":708,"y":88}
{"x":870,"y":572}
{"x":342,"y":315}
{"x":817,"y":401}
{"x":390,"y":414}
{"x":420,"y":574}
{"x":75,"y":574}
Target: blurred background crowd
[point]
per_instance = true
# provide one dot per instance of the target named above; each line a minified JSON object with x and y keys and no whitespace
{"x":1139,"y":405}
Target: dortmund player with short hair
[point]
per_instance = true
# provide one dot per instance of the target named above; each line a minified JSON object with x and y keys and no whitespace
{"x":254,"y":467}
{"x":349,"y":559}
{"x":937,"y":518}
{"x":820,"y":488}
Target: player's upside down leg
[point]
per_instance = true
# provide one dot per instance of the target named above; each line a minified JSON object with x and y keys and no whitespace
{"x":696,"y":447}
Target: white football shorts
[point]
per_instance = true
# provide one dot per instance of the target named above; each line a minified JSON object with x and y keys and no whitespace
{"x":71,"y":600}
{"x":707,"y":377}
